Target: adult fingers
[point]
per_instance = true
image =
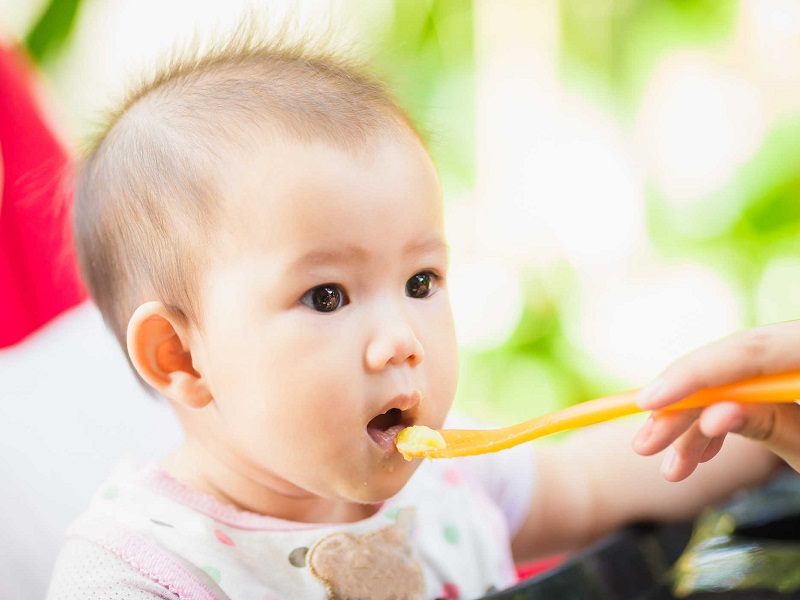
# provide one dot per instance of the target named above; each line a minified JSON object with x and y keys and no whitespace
{"x":661,"y":429}
{"x":686,"y":452}
{"x":777,"y":427}
{"x":713,"y":448}
{"x":722,"y":418}
{"x":758,"y":351}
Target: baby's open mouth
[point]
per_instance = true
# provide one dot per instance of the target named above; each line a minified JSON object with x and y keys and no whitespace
{"x":384,"y":428}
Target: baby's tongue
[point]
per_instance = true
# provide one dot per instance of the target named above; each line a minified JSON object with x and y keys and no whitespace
{"x":385,"y":438}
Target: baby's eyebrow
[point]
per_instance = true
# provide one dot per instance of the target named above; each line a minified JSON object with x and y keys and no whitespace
{"x":340,"y":254}
{"x":356,"y":254}
{"x":426,"y":246}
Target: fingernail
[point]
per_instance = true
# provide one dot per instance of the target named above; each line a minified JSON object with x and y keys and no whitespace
{"x":669,"y":460}
{"x":648,"y":396}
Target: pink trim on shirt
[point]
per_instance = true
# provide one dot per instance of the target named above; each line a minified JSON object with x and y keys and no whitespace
{"x":142,"y":556}
{"x":163,"y":483}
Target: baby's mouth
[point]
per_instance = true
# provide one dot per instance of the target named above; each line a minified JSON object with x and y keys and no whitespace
{"x":384,"y":428}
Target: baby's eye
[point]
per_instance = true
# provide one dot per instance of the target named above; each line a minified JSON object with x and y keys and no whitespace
{"x":325,"y":298}
{"x":421,"y":285}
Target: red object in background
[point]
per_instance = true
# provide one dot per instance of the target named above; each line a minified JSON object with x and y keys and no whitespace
{"x":537,"y":567}
{"x":38,"y":272}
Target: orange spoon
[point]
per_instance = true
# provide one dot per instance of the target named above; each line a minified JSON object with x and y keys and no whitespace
{"x":783,"y":387}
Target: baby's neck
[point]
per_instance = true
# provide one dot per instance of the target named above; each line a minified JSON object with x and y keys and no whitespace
{"x":230,"y":488}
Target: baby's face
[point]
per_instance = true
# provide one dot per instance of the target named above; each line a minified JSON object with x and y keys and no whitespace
{"x":326,"y":318}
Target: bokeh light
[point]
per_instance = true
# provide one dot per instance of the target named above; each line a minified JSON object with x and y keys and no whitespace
{"x":622,"y":179}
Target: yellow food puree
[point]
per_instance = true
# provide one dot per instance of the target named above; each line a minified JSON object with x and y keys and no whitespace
{"x":416,"y":440}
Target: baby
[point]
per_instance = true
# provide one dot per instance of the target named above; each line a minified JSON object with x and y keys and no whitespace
{"x":262,"y":228}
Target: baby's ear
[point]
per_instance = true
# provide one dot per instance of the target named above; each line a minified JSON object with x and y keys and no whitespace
{"x":159,"y":350}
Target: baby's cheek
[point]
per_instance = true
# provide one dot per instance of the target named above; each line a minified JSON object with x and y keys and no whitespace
{"x":446,"y":373}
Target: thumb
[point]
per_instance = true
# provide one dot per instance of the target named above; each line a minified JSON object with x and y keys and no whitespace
{"x":777,"y":427}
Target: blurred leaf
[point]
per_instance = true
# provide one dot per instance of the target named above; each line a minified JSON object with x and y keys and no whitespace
{"x":429,"y":51}
{"x":772,"y":182}
{"x":503,"y":387}
{"x":51,"y":31}
{"x":769,"y":187}
{"x":767,"y":226}
{"x":777,"y":213}
{"x":614,"y":44}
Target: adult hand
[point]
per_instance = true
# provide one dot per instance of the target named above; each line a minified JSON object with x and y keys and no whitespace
{"x":695,"y":436}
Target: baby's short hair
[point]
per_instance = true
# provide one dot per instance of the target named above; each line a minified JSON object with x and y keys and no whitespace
{"x":147,"y":203}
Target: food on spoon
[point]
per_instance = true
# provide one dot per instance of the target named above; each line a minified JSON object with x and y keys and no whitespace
{"x":417,"y":440}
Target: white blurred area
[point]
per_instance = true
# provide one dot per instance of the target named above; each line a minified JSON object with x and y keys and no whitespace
{"x":558,"y":179}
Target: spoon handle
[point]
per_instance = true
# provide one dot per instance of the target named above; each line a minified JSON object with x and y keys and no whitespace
{"x":782,"y":387}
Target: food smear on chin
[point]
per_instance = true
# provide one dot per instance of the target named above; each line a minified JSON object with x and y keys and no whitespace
{"x":417,"y":440}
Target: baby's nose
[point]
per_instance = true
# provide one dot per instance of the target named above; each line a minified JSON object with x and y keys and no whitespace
{"x":395,"y":343}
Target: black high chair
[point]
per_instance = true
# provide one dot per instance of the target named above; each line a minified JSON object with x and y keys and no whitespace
{"x":747,"y":547}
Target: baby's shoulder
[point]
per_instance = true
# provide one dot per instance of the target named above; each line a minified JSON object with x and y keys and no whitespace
{"x":85,"y":569}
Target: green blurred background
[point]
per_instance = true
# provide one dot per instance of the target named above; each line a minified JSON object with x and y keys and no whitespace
{"x":621,"y":176}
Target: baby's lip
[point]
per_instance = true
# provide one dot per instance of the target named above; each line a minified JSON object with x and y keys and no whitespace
{"x":404,"y":402}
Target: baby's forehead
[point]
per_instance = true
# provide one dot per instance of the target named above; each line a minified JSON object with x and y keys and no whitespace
{"x":286,"y":183}
{"x":284,"y":164}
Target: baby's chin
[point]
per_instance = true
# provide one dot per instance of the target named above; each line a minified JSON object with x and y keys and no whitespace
{"x":384,"y":486}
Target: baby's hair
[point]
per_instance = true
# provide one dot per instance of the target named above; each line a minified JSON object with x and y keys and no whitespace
{"x":147,"y":207}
